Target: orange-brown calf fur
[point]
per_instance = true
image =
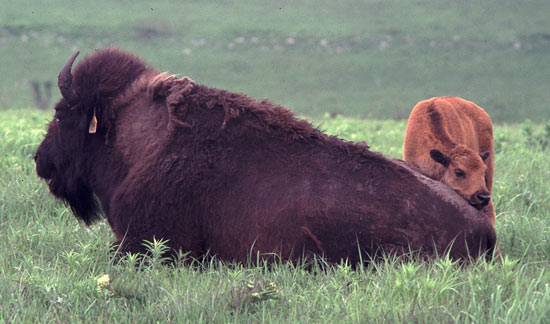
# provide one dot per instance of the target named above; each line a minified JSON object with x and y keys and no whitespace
{"x":463,"y":132}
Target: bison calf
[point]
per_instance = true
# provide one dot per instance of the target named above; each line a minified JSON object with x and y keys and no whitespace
{"x":451,"y":140}
{"x":217,"y":172}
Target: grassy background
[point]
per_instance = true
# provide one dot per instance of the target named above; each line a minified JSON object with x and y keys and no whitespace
{"x":360,"y":58}
{"x":368,"y":59}
{"x":50,"y":263}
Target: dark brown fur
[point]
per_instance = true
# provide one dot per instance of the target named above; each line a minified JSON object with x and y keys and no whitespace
{"x":218,"y":172}
{"x":437,"y":129}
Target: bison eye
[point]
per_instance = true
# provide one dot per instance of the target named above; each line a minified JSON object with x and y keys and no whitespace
{"x":459,"y":173}
{"x":58,"y":116}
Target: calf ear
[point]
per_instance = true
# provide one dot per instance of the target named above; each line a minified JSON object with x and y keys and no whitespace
{"x":484,"y":155}
{"x":439,"y":157}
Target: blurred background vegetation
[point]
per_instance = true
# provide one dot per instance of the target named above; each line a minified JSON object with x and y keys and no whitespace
{"x":359,"y":58}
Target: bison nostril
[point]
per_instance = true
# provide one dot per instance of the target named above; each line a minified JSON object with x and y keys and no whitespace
{"x":35,"y":157}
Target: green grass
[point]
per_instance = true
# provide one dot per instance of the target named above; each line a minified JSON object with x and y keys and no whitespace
{"x":50,"y":263}
{"x":369,"y":59}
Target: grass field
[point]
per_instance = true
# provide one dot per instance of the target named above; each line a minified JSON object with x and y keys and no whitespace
{"x":51,"y":264}
{"x":367,"y":62}
{"x":360,"y":58}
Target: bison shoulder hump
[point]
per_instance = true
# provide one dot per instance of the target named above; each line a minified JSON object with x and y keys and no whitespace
{"x":165,"y":85}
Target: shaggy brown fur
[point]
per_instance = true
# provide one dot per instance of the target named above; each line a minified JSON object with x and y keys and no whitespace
{"x":218,"y":172}
{"x":451,"y":140}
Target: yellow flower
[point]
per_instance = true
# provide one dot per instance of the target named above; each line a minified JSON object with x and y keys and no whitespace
{"x":103,"y":282}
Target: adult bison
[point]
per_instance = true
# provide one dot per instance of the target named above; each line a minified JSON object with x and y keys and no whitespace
{"x":217,"y":172}
{"x":451,"y":140}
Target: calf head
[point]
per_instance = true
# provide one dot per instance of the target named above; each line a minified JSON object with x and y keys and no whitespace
{"x":465,"y":173}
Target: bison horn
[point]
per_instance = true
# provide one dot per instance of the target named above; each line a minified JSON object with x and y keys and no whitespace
{"x":65,"y":80}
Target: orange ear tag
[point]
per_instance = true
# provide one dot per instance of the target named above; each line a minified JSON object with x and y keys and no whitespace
{"x":92,"y":129}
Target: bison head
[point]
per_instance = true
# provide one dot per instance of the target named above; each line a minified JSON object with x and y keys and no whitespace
{"x":65,"y":157}
{"x":465,"y":173}
{"x":59,"y":156}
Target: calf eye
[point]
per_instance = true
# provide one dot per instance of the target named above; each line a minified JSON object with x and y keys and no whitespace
{"x":459,"y":173}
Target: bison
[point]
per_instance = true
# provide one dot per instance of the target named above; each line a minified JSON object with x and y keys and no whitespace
{"x":218,"y":173}
{"x":451,"y":140}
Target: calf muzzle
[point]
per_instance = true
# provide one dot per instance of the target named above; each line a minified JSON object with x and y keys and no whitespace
{"x":480,"y":200}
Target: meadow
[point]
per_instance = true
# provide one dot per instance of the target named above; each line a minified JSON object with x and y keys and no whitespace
{"x":353,"y":68}
{"x":51,"y":264}
{"x":360,"y":58}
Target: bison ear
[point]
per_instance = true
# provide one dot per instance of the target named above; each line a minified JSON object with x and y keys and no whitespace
{"x":484,"y":155}
{"x":439,"y":157}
